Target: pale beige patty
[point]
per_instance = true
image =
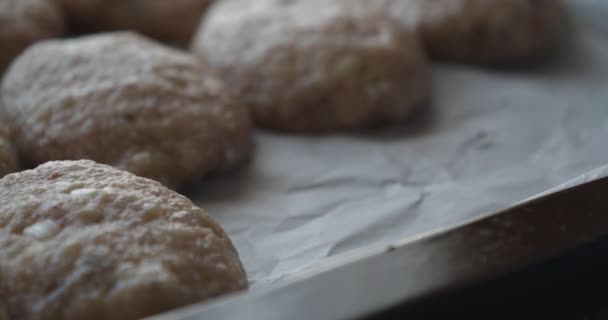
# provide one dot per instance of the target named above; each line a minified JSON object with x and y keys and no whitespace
{"x":123,"y":100}
{"x":172,"y":21}
{"x":24,"y":22}
{"x":80,"y":240}
{"x":314,"y":66}
{"x":481,"y":31}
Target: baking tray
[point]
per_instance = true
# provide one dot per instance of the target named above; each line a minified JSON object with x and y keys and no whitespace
{"x":537,"y":242}
{"x":490,"y":138}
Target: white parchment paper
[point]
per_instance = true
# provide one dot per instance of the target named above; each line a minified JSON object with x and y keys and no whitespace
{"x":490,"y":138}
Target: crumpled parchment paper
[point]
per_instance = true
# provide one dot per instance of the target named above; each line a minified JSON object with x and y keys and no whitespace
{"x":490,"y":138}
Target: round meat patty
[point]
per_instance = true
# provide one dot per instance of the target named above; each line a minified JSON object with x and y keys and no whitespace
{"x":482,"y":31}
{"x":8,"y":162}
{"x":123,"y":100}
{"x":313,"y":66}
{"x":171,"y":21}
{"x":24,"y":22}
{"x":81,"y":240}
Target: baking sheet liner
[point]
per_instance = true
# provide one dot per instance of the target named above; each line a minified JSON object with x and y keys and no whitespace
{"x":489,"y":139}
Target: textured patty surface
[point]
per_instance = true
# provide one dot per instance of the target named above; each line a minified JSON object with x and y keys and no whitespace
{"x":314,"y":66}
{"x":80,"y":240}
{"x":124,"y":100}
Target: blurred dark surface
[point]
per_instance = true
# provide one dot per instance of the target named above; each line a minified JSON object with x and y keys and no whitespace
{"x":572,"y":287}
